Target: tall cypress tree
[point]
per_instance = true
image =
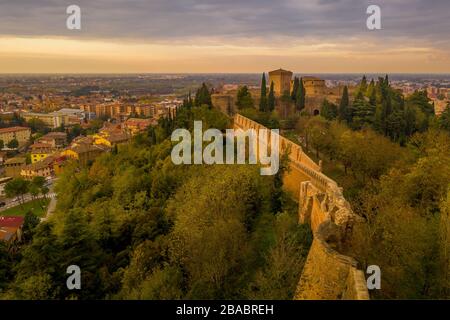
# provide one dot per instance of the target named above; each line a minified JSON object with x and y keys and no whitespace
{"x":343,"y":106}
{"x":362,"y":88}
{"x":198,"y":97}
{"x":384,"y":105}
{"x":373,"y":97}
{"x":263,"y":100}
{"x":271,"y":98}
{"x":361,"y":114}
{"x":370,"y":89}
{"x":300,"y":96}
{"x":203,"y":96}
{"x":359,"y":96}
{"x":295,"y":89}
{"x":363,"y":85}
{"x":444,"y":119}
{"x":190,"y":103}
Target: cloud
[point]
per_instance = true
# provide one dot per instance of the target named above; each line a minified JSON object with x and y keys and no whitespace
{"x":246,"y":35}
{"x":177,"y":20}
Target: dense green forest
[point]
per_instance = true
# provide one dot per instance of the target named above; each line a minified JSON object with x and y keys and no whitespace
{"x":140,"y":227}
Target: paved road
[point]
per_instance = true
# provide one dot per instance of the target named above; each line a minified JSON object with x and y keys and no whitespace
{"x":26,"y":198}
{"x":52,"y":205}
{"x":13,"y":202}
{"x":50,"y":209}
{"x":10,"y":203}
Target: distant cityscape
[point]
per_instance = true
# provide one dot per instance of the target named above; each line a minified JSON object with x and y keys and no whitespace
{"x":47,"y":114}
{"x":47,"y":120}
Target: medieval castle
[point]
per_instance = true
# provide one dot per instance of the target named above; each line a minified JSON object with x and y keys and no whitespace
{"x":316,"y":92}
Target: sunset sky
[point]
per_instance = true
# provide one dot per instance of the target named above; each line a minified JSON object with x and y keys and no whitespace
{"x":137,"y":36}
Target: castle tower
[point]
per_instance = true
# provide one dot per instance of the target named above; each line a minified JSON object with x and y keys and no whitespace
{"x":314,"y":86}
{"x":281,"y":81}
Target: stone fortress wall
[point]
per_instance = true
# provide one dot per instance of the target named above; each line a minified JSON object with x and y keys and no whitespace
{"x":327,"y":273}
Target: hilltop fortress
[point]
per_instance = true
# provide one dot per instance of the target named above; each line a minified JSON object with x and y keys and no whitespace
{"x":283,"y":83}
{"x":316,"y":91}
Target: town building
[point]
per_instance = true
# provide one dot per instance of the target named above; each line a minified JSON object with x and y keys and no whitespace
{"x":50,"y":120}
{"x":135,"y":126}
{"x":3,"y":182}
{"x":87,"y":108}
{"x":56,"y":119}
{"x":69,"y":117}
{"x":55,"y":139}
{"x":43,"y":168}
{"x":13,"y":166}
{"x":108,"y":110}
{"x":7,"y":116}
{"x":21,"y":134}
{"x":40,"y":151}
{"x":3,"y":156}
{"x":440,"y":106}
{"x":84,"y":152}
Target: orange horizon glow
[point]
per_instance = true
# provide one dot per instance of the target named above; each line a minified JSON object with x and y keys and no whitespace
{"x":67,"y":55}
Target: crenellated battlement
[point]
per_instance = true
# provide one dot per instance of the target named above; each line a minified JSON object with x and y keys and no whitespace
{"x":327,"y":273}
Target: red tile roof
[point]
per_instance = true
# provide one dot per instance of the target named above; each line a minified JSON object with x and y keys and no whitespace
{"x":13,"y":129}
{"x":11,"y":222}
{"x":40,"y":145}
{"x":56,"y":135}
{"x":7,"y":233}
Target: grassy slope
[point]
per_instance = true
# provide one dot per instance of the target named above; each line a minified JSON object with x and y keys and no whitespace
{"x":38,"y":206}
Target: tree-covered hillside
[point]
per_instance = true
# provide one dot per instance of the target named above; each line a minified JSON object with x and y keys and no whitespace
{"x":402,"y":195}
{"x":140,"y":227}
